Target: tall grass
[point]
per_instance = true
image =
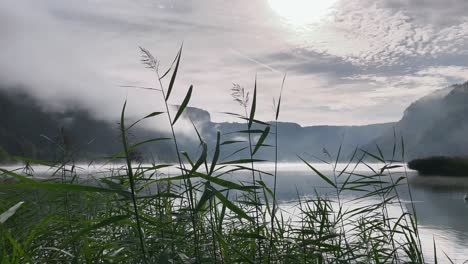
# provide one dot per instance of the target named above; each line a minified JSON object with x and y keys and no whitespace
{"x":136,"y":214}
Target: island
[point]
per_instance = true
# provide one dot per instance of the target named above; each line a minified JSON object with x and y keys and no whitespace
{"x":441,"y":166}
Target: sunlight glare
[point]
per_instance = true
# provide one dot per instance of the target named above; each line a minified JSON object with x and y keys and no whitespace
{"x":301,"y":12}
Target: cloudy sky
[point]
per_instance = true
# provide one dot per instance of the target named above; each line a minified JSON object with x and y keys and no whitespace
{"x":347,"y":62}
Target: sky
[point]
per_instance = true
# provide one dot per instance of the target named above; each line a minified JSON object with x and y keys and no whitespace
{"x":348,"y":62}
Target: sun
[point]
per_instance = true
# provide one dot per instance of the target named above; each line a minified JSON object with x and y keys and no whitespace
{"x":302,"y":12}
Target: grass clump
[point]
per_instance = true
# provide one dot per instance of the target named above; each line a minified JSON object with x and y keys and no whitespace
{"x":202,"y":214}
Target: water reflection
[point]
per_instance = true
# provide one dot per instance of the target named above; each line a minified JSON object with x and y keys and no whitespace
{"x":441,"y":209}
{"x":442,"y":214}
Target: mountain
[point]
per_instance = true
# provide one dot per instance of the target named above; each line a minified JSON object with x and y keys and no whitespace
{"x":434,"y":125}
{"x":293,"y":139}
{"x":28,"y":129}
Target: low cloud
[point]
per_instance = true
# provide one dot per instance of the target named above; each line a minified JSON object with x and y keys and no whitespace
{"x":365,"y":63}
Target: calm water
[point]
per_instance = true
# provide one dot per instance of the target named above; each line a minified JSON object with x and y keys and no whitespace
{"x":439,"y":202}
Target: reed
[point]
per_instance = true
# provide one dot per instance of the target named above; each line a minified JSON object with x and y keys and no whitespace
{"x":202,"y":214}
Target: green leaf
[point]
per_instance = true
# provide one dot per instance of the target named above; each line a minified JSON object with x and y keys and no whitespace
{"x":255,"y":121}
{"x":198,"y":133}
{"x":103,"y":223}
{"x":173,"y":178}
{"x":265,"y":187}
{"x":222,"y":215}
{"x":202,"y":158}
{"x":380,"y":152}
{"x":17,"y":176}
{"x":325,"y":178}
{"x":132,"y":147}
{"x":228,"y":142}
{"x":402,"y":148}
{"x":233,"y":114}
{"x":183,"y":105}
{"x":449,"y":259}
{"x":222,"y":182}
{"x":159,"y":195}
{"x":187,"y":157}
{"x":249,"y":131}
{"x":235,"y":152}
{"x":240,"y":161}
{"x":230,"y":247}
{"x":168,"y":70}
{"x":261,"y":140}
{"x":171,"y":83}
{"x":207,"y":194}
{"x":16,"y":246}
{"x":240,"y":167}
{"x":234,"y":208}
{"x":10,"y":212}
{"x":279,"y":100}
{"x":148,"y":116}
{"x":116,"y":186}
{"x":216,"y":154}
{"x":373,"y":156}
{"x":394,"y":144}
{"x":254,"y":105}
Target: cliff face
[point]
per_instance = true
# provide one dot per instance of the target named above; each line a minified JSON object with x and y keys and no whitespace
{"x":436,"y":124}
{"x":293,"y":139}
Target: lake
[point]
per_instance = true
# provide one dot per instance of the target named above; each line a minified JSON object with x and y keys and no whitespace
{"x":439,"y":201}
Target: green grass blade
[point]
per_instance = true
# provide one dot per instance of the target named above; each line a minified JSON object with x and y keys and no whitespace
{"x":229,"y":142}
{"x":183,"y":105}
{"x":10,"y":212}
{"x":121,"y":154}
{"x":148,"y":116}
{"x":372,"y":155}
{"x":216,"y":154}
{"x":174,"y":74}
{"x":240,"y":161}
{"x":169,"y":70}
{"x":17,"y":176}
{"x":207,"y":194}
{"x":261,"y":139}
{"x":254,"y":105}
{"x":449,"y":259}
{"x":234,"y":208}
{"x":325,"y":178}
{"x":279,"y":99}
